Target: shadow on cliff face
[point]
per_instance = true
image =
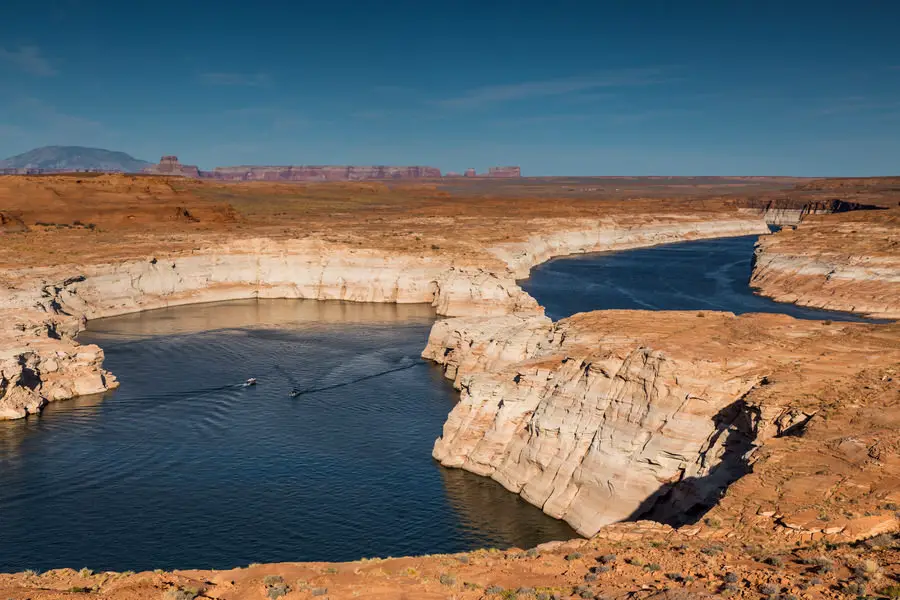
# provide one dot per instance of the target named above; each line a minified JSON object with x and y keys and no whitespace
{"x":684,"y":502}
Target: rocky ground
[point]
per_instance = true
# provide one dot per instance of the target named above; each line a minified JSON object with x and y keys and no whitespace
{"x":643,"y":560}
{"x":787,"y":431}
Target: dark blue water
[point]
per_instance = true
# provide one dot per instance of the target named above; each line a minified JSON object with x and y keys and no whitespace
{"x":697,"y":275}
{"x":181,"y":467}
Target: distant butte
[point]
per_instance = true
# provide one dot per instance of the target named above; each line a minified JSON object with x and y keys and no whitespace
{"x":170,"y":165}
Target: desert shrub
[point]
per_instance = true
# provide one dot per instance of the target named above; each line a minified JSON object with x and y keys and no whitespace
{"x":712,"y":522}
{"x":447,"y":579}
{"x":80,"y":590}
{"x":653,"y":567}
{"x":573,"y":556}
{"x":775,"y":561}
{"x":181,"y":594}
{"x":590,"y":577}
{"x":607,"y":558}
{"x":277,"y":591}
{"x":493,"y":590}
{"x":270,"y":580}
{"x":471,"y":586}
{"x":891,"y":591}
{"x":867,"y":570}
{"x":542,"y":596}
{"x":319,"y":591}
{"x":532,"y":553}
{"x":602,"y":569}
{"x":463,"y":559}
{"x":822,"y":565}
{"x":815,"y":581}
{"x":711,"y":550}
{"x":767,"y":589}
{"x":636,"y":562}
{"x":508,"y":594}
{"x":85,"y":572}
{"x":854,"y":588}
{"x":675,"y":577}
{"x":880,"y":541}
{"x":731,"y":577}
{"x":525,"y":591}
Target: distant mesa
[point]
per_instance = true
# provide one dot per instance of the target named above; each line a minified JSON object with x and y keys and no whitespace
{"x":67,"y":159}
{"x":170,"y":165}
{"x":504,"y":172}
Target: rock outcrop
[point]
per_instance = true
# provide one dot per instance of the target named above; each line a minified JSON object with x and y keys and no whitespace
{"x":787,"y":211}
{"x":169,"y":165}
{"x":850,"y":263}
{"x":49,"y":369}
{"x":615,"y":415}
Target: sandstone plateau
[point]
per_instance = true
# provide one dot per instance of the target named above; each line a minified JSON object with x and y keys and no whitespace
{"x":170,"y":165}
{"x":750,"y":441}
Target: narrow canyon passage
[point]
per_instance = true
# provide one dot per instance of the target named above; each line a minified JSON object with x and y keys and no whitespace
{"x":182,"y":467}
{"x":696,"y":275}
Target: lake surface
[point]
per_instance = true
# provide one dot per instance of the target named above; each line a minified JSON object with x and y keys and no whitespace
{"x":182,"y":467}
{"x":696,"y":275}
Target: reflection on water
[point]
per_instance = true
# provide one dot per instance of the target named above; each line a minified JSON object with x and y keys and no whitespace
{"x":183,"y":467}
{"x":485,"y":506}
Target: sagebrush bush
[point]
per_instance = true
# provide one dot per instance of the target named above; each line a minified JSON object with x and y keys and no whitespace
{"x":447,"y":579}
{"x":277,"y":591}
{"x":181,"y":594}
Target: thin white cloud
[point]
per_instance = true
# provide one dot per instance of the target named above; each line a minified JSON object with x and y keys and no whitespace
{"x":28,"y":59}
{"x":236,"y":79}
{"x":494,"y":94}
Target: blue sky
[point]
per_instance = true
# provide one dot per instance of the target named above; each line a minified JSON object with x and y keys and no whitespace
{"x":560,"y":88}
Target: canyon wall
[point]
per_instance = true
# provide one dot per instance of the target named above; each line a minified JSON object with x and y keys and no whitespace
{"x":791,"y":211}
{"x":263,"y":268}
{"x":590,"y":421}
{"x":851,"y":264}
{"x":619,"y":415}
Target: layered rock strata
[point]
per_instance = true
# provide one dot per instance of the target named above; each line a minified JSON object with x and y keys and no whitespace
{"x":263,"y":268}
{"x":850,"y":264}
{"x":786,"y":211}
{"x":614,"y":415}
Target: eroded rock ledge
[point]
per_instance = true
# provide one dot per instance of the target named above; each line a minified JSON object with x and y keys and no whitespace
{"x":849,"y":263}
{"x":614,"y":415}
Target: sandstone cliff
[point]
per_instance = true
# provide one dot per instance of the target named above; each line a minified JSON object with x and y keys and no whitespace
{"x":615,"y":415}
{"x":850,"y":263}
